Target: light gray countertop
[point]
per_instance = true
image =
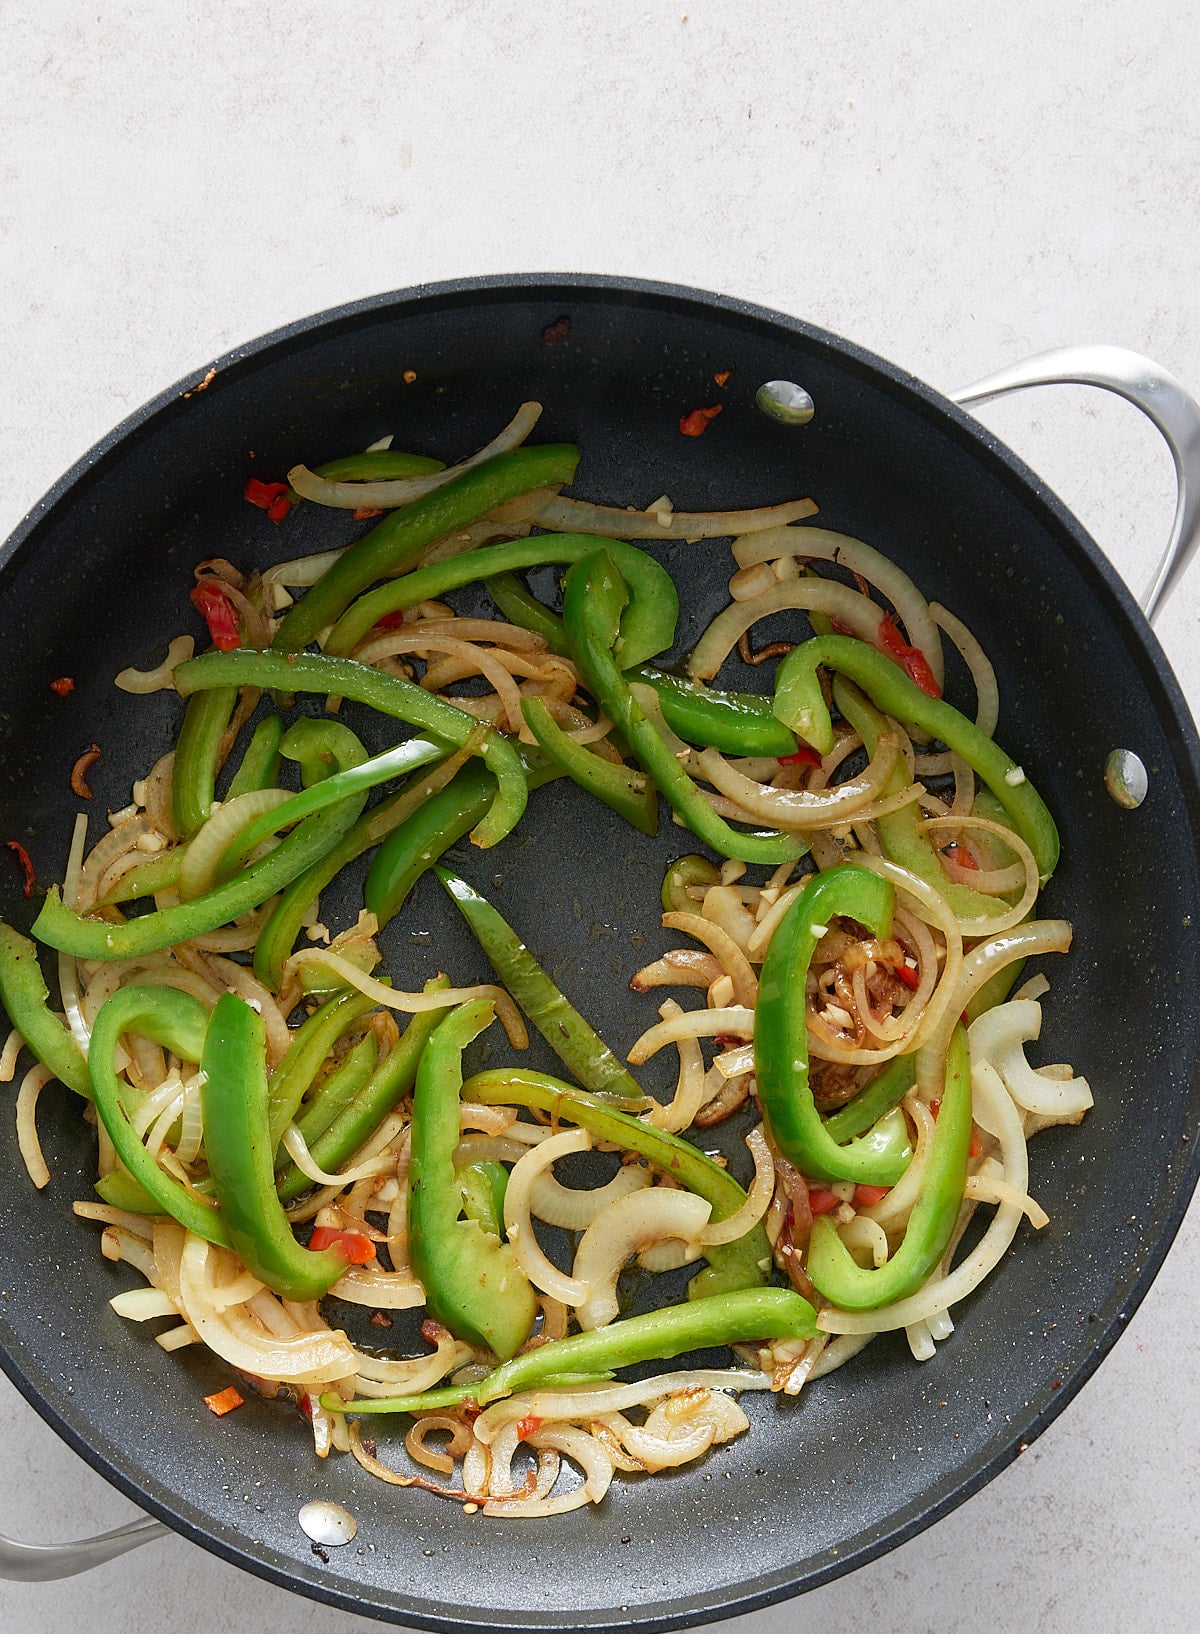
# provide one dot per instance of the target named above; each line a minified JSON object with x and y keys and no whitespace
{"x":953,"y":187}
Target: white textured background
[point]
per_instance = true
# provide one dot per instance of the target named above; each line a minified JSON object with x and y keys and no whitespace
{"x":953,"y":186}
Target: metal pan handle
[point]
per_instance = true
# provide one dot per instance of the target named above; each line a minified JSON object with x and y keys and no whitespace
{"x":1161,"y":399}
{"x":41,"y":1562}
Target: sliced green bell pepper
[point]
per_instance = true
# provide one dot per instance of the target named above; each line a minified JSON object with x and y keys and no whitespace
{"x":260,"y":763}
{"x":473,"y":1283}
{"x":630,"y":794}
{"x":24,"y":994}
{"x":736,"y":723}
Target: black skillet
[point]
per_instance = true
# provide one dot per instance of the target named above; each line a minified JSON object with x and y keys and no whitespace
{"x":96,"y":579}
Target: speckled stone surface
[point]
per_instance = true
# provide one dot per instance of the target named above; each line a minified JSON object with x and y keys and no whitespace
{"x":952,"y":187}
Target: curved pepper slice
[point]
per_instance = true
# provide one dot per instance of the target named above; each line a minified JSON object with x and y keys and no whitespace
{"x":397,"y":541}
{"x":736,"y":723}
{"x":799,"y":704}
{"x":237,"y":1144}
{"x":703,"y":1324}
{"x":781,"y":1036}
{"x":647,"y":622}
{"x":24,"y":994}
{"x":594,"y":599}
{"x":343,"y":678}
{"x":473,"y":1283}
{"x":630,"y":794}
{"x":744,"y":1263}
{"x":931,"y":1223}
{"x":179,"y":1021}
{"x":569,"y":1035}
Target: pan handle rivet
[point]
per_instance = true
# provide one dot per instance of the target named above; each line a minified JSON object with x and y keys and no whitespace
{"x":1125,"y":778}
{"x":786,"y":402}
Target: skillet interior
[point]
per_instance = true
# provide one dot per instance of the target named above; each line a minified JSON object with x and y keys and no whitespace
{"x":97,"y":578}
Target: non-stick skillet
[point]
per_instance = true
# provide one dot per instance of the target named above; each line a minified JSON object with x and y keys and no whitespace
{"x":96,"y":578}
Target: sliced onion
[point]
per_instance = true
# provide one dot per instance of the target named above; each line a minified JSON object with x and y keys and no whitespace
{"x":987,"y":1189}
{"x":198,"y":870}
{"x":620,"y":1231}
{"x":869,"y":1234}
{"x":387,"y":1290}
{"x":678,"y":1114}
{"x":412,"y":1375}
{"x":998,"y":1036}
{"x":587,"y":1401}
{"x":987,"y":708}
{"x":570,"y":1290}
{"x":245,"y":1343}
{"x":758,"y":1199}
{"x":655,"y":1450}
{"x":415,"y":1003}
{"x":819,"y":544}
{"x":28,"y":1144}
{"x":574,"y":1209}
{"x":143,"y":1304}
{"x":682,"y":967}
{"x":994,"y":924}
{"x":297,"y":1149}
{"x":692,"y":1024}
{"x":162,"y":677}
{"x":725,"y":947}
{"x":352,"y":496}
{"x":578,"y":516}
{"x":798,"y":810}
{"x":859,"y":613}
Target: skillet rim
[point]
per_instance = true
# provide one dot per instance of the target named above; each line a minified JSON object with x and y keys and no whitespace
{"x":1166,"y":698}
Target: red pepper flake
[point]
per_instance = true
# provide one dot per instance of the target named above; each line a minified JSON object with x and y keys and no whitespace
{"x":62,"y":686}
{"x":957,"y":852}
{"x":976,"y":1143}
{"x":392,"y":621}
{"x":527,"y":1427}
{"x":355,"y":1247}
{"x":911,"y":659}
{"x":224,"y":1401}
{"x":723,"y":377}
{"x":272,"y":497}
{"x":80,"y":769}
{"x":560,"y":329}
{"x":307,"y":1404}
{"x":278,"y":509}
{"x":433,"y":1331}
{"x":26,"y":863}
{"x":869,"y":1196}
{"x":934,"y":1108}
{"x":380,"y":1320}
{"x":910,"y":977}
{"x":821,"y":1201}
{"x":364,"y":513}
{"x":696,"y":423}
{"x":218,"y":612}
{"x":805,"y":755}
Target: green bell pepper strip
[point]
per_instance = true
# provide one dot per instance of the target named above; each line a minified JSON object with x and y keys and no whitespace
{"x":373,"y":465}
{"x":339,"y":1089}
{"x":932,"y":1221}
{"x":260,"y":764}
{"x":427,"y":833}
{"x":389,"y":694}
{"x":58,"y":926}
{"x":799,"y":704}
{"x":473,"y":1283}
{"x":180,"y":1022}
{"x":24,"y":994}
{"x":594,"y":598}
{"x":630,"y":794}
{"x":392,"y":1079}
{"x":311,"y":1043}
{"x":238,"y":1147}
{"x":482,"y":1187}
{"x":119,"y":1188}
{"x":703,"y":1324}
{"x":781,"y":1035}
{"x":404,"y":758}
{"x":873,"y":1101}
{"x":900,"y":832}
{"x":743,"y":1263}
{"x":519,"y":606}
{"x":647,"y":623}
{"x":397,"y":541}
{"x":157,"y":873}
{"x":685,"y":871}
{"x":194,"y":773}
{"x":572,"y":1039}
{"x":736,"y":723}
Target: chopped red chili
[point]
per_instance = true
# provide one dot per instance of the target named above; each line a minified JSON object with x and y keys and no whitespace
{"x":806,"y":755}
{"x":264,"y":494}
{"x":26,"y":863}
{"x":696,"y":423}
{"x":909,"y":976}
{"x":224,"y":1401}
{"x":278,"y":509}
{"x":365,"y":512}
{"x":354,"y":1246}
{"x":432,"y":1331}
{"x":723,"y":377}
{"x":911,"y":659}
{"x":976,"y":1142}
{"x":379,"y":1319}
{"x":62,"y":686}
{"x":821,"y":1201}
{"x":959,"y":853}
{"x":868,"y":1196}
{"x":218,"y":612}
{"x":528,"y":1426}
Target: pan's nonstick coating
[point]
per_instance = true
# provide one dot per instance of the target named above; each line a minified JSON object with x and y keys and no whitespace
{"x":97,"y":579}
